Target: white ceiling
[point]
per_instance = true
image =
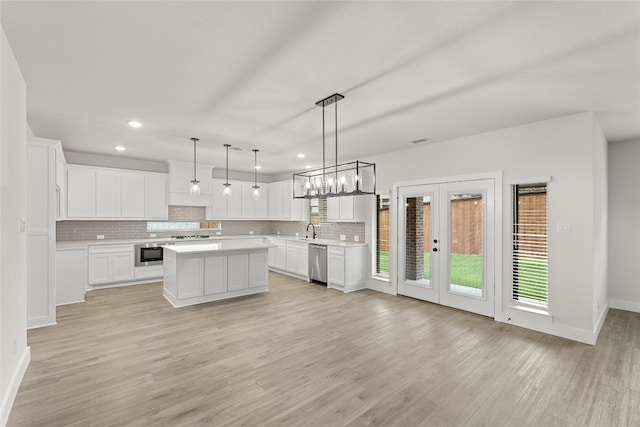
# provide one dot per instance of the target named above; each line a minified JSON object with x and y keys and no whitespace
{"x":249,"y":73}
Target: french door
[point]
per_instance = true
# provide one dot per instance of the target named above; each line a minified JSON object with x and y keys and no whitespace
{"x":446,"y":244}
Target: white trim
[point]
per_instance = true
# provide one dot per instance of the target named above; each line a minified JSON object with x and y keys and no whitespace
{"x":601,"y":319}
{"x":498,"y":191}
{"x":525,"y":181}
{"x":14,"y":385}
{"x":447,"y":179}
{"x":620,"y":304}
{"x":30,"y":327}
{"x":380,"y":284}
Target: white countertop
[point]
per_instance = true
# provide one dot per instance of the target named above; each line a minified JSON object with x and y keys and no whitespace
{"x":83,"y":244}
{"x":221,"y":246}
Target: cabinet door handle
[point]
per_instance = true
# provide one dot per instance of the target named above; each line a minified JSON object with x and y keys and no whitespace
{"x":435,"y":249}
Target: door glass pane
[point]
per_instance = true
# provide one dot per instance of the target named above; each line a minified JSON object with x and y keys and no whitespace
{"x":417,"y":248}
{"x":466,"y":244}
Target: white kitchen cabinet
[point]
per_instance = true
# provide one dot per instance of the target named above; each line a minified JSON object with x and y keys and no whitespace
{"x":108,"y":194}
{"x":71,"y":275}
{"x":40,"y":232}
{"x":298,"y":258}
{"x":192,"y":278}
{"x":110,"y":264}
{"x":104,"y":193}
{"x":349,"y":208}
{"x":346,"y":267}
{"x":155,"y":196}
{"x":237,"y":272}
{"x":61,"y":182}
{"x":225,"y":207}
{"x":133,"y":195}
{"x":180,"y":177}
{"x":278,"y":255}
{"x":335,"y":268}
{"x":254,"y":209}
{"x":258,"y":269}
{"x":81,"y":202}
{"x":282,"y":205}
{"x":215,"y":274}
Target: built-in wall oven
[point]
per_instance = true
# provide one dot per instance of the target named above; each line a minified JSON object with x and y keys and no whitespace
{"x":148,"y":254}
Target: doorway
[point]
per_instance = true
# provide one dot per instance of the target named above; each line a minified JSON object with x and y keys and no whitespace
{"x":446,"y":244}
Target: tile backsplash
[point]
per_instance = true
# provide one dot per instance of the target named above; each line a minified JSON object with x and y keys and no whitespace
{"x":88,"y":230}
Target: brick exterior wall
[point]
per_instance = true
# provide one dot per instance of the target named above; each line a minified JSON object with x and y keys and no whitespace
{"x":414,"y":239}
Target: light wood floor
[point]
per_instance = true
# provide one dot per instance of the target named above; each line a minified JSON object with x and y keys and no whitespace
{"x":305,"y":355}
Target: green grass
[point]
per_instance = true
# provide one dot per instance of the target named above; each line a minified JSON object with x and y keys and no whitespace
{"x":466,"y":270}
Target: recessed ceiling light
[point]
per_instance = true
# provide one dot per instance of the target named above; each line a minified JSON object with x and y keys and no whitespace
{"x":119,"y":148}
{"x":134,"y":124}
{"x":301,"y":155}
{"x":258,"y":167}
{"x":307,"y":166}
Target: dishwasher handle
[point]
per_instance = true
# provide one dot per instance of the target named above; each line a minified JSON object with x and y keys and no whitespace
{"x":318,"y":247}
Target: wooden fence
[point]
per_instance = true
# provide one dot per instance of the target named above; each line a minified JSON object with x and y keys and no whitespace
{"x":466,"y":231}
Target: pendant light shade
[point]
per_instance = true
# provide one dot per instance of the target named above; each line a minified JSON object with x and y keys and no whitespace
{"x":256,"y":188}
{"x":195,"y":184}
{"x":226,"y":192}
{"x":347,"y":179}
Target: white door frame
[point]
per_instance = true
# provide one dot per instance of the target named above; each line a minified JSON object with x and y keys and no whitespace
{"x":498,"y":228}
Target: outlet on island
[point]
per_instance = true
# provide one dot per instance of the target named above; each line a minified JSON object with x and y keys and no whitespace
{"x":343,"y":237}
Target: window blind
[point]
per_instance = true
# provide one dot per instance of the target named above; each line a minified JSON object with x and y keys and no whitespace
{"x":530,"y":245}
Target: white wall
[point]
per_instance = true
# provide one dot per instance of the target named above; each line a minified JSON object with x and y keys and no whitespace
{"x":14,"y":353}
{"x":624,"y":225}
{"x":561,"y":148}
{"x":600,"y":227}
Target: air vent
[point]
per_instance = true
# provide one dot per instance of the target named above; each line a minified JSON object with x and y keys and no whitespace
{"x":236,"y":149}
{"x":419,"y":141}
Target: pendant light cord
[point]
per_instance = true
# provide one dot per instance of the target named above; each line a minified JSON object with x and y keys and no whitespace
{"x":194,"y":159}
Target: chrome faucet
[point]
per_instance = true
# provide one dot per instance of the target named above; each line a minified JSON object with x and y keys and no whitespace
{"x":313,"y":227}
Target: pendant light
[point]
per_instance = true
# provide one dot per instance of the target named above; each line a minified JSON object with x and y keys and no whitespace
{"x":256,"y":188}
{"x":195,"y":184}
{"x":227,"y":187}
{"x":347,"y":179}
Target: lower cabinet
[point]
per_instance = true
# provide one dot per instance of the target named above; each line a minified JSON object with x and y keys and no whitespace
{"x":71,"y":276}
{"x":238,"y":277}
{"x":346,"y":267}
{"x":215,"y":271}
{"x":278,"y":255}
{"x":110,"y":264}
{"x":298,"y":258}
{"x":202,"y":277}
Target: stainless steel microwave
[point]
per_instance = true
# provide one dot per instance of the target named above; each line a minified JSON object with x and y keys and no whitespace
{"x":148,"y":254}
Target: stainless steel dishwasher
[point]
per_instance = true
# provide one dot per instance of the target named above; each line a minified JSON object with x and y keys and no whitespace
{"x":318,"y":262}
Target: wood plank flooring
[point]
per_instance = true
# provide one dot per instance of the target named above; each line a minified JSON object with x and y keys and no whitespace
{"x":305,"y":355}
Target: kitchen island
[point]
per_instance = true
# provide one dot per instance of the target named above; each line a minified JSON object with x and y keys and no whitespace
{"x":204,"y":272}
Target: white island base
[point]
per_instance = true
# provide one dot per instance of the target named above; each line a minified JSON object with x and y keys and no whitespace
{"x":195,"y":274}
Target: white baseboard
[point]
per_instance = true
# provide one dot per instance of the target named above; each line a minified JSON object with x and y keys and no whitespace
{"x":624,"y":305}
{"x":14,"y":385}
{"x":380,"y":285}
{"x":601,"y":319}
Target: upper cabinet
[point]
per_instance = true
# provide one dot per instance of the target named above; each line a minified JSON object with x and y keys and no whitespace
{"x":254,"y":209}
{"x":283,"y":206}
{"x":349,"y":208}
{"x":180,"y":177}
{"x":81,"y":192}
{"x":275,"y":202}
{"x":102,"y":193}
{"x":225,"y":207}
